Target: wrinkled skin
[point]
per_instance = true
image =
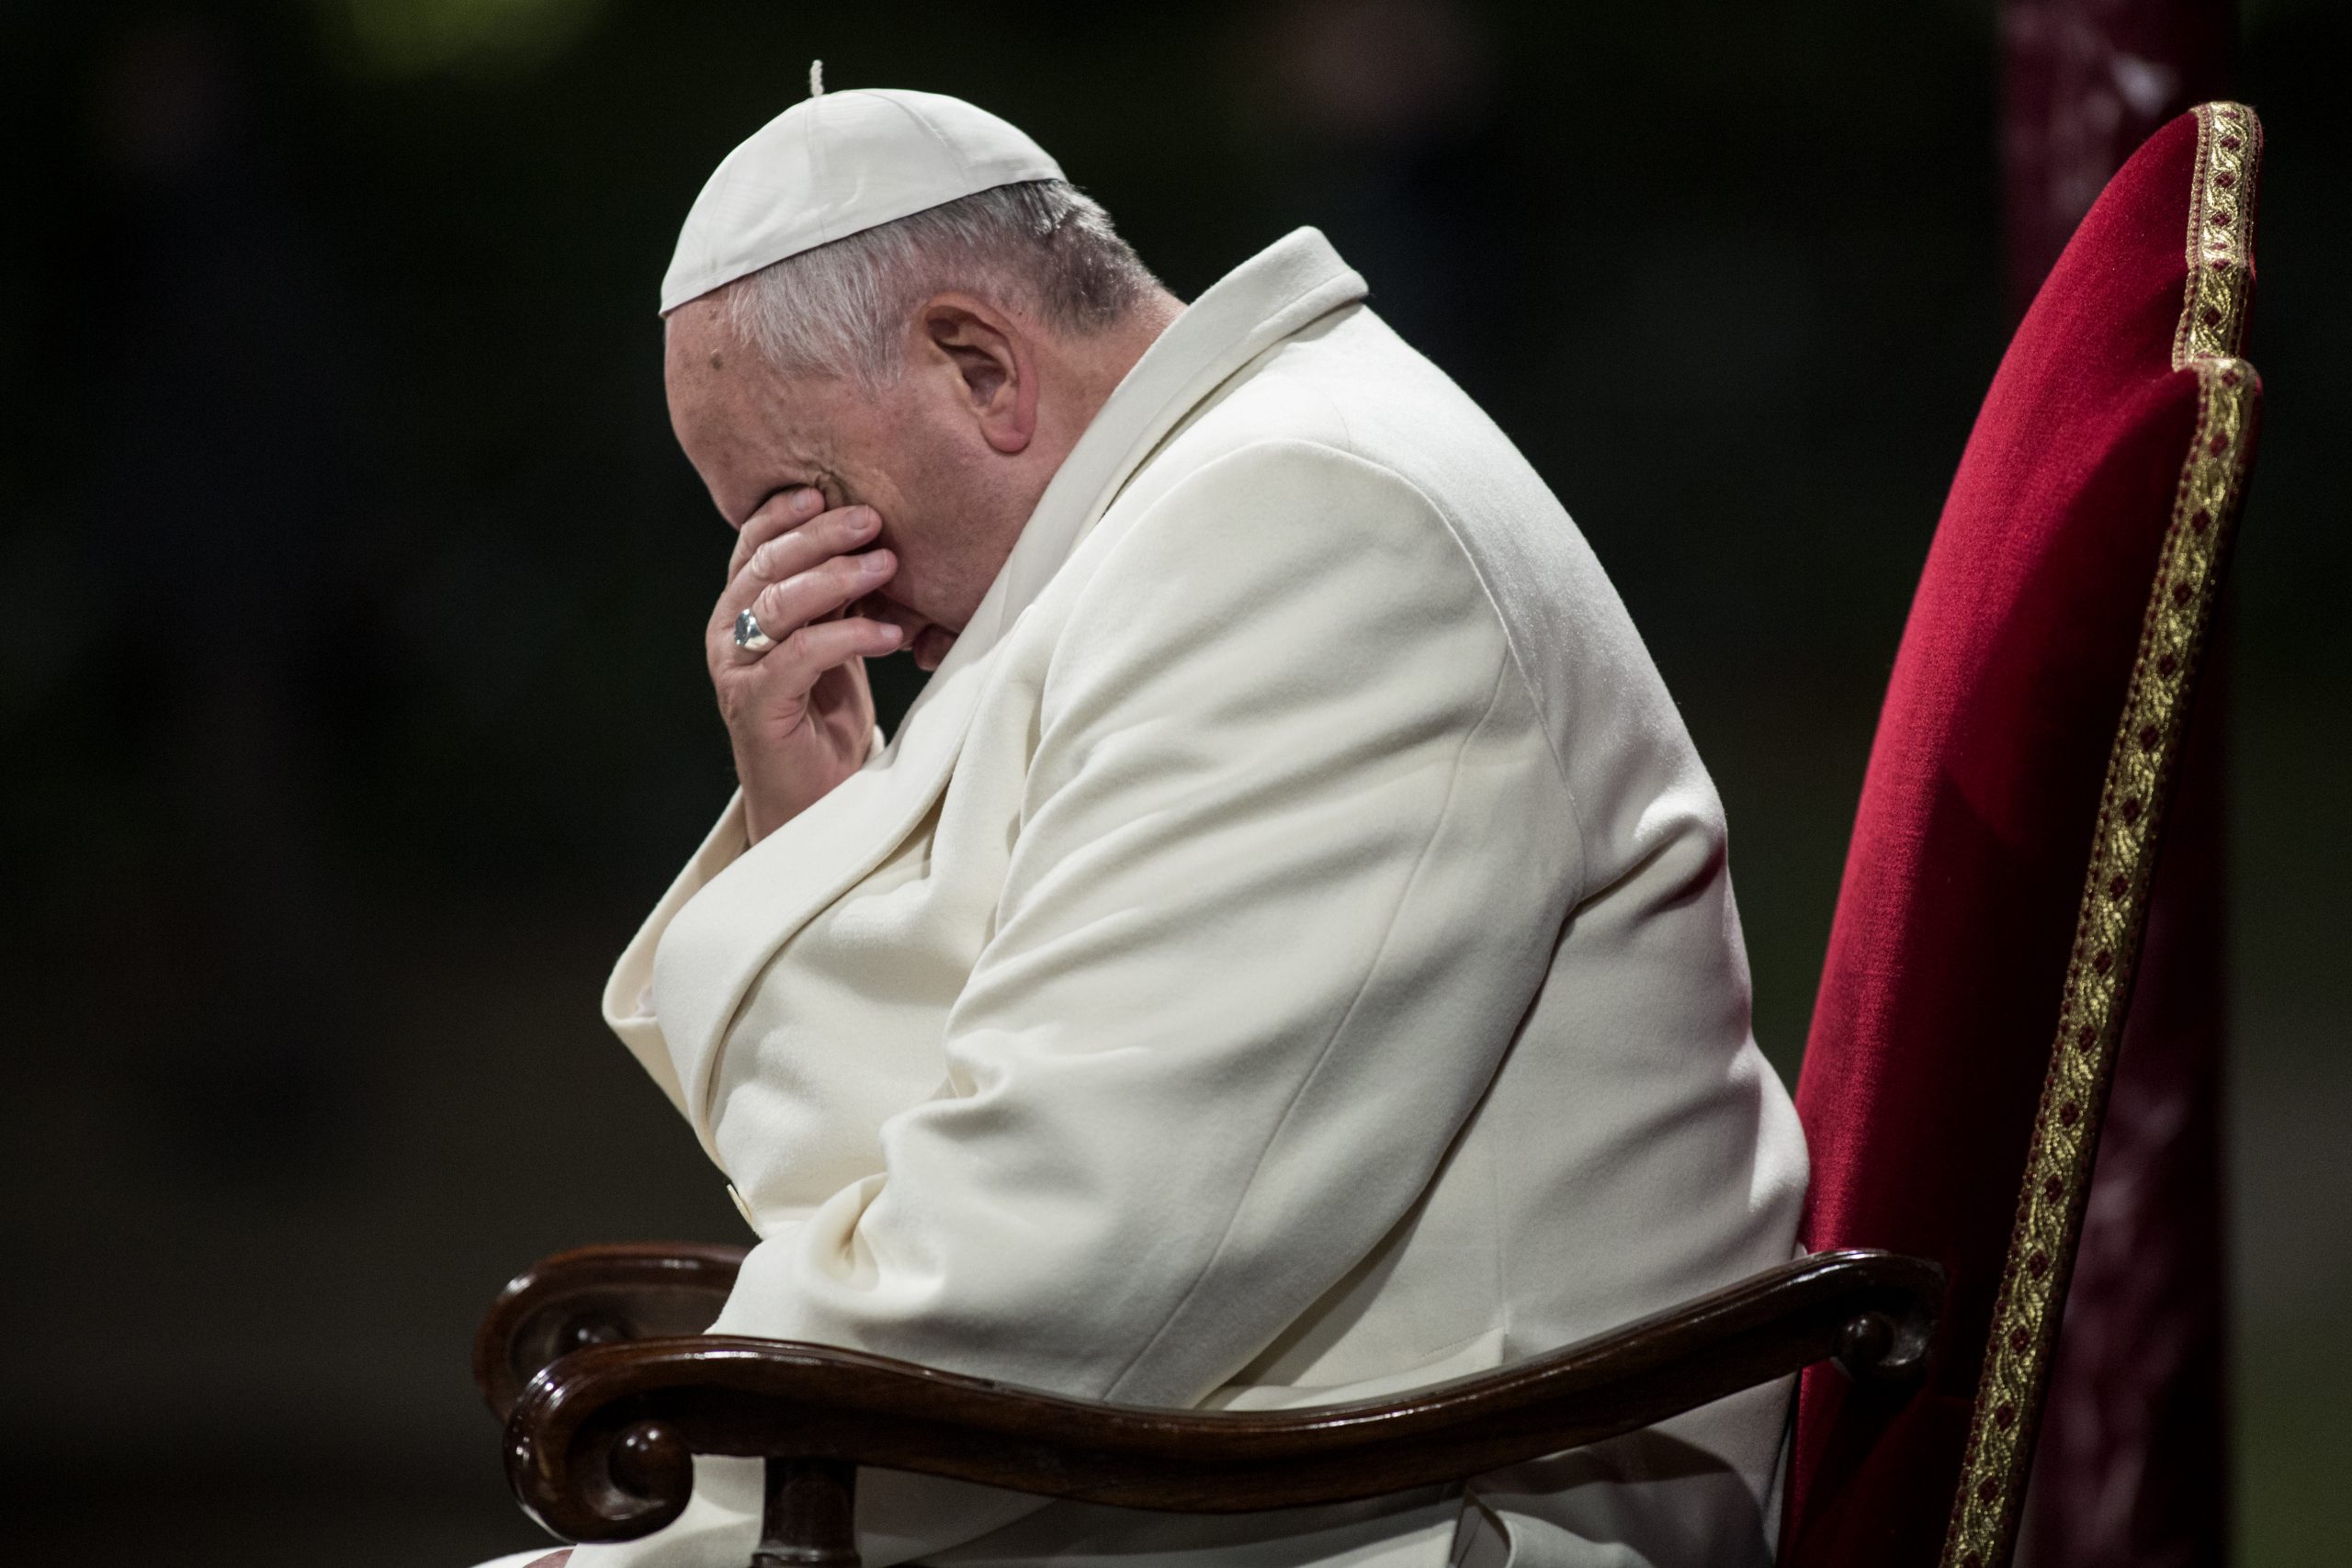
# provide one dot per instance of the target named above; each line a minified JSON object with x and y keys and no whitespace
{"x":870,"y":521}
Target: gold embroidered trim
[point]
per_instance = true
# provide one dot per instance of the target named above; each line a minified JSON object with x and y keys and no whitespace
{"x":2220,"y":235}
{"x":2115,"y":889}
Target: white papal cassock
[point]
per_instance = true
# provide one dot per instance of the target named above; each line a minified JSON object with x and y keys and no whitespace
{"x":1287,"y":955}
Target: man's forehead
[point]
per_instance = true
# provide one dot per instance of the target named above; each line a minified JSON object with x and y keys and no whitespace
{"x":706,"y":355}
{"x":697,"y":336}
{"x":750,"y":433}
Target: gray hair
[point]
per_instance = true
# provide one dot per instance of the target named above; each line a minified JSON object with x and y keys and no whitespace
{"x":841,"y":309}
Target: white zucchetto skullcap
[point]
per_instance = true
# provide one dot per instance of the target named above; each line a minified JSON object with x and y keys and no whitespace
{"x":837,"y":163}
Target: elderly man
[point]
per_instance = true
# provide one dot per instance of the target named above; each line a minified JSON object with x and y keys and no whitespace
{"x":1287,"y":955}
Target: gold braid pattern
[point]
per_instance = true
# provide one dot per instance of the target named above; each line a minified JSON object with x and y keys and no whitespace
{"x":2131,"y":805}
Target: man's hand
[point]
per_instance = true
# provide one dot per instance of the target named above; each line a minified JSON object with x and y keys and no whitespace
{"x":800,"y":714}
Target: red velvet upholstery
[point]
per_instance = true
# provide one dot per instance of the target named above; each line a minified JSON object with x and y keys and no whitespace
{"x":1950,"y":954}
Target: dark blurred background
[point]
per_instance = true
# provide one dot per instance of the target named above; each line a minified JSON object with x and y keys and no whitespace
{"x":350,"y":590}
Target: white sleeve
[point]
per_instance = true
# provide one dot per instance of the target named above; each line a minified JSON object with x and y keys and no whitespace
{"x":628,"y":991}
{"x":1291,"y":861}
{"x":627,"y":1002}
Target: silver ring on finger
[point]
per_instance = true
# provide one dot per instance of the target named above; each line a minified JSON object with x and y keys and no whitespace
{"x":748,"y":635}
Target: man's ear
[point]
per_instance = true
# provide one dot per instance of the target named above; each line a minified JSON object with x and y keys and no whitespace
{"x":991,"y":367}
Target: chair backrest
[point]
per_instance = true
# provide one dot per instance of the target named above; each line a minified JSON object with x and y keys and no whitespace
{"x":1990,"y":913}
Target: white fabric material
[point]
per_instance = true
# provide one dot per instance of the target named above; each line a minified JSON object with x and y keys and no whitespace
{"x":831,"y":165}
{"x":1287,"y":955}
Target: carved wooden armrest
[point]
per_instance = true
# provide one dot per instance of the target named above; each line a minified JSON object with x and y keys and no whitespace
{"x":597,"y":1295}
{"x":599,"y":1446}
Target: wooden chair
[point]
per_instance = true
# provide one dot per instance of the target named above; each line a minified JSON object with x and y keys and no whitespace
{"x":1952,"y":1091}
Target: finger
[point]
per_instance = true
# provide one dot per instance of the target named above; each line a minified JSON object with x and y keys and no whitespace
{"x":796,"y":662}
{"x":930,"y":648}
{"x":795,"y":551}
{"x":876,"y":607}
{"x":782,"y":608}
{"x":779,"y":513}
